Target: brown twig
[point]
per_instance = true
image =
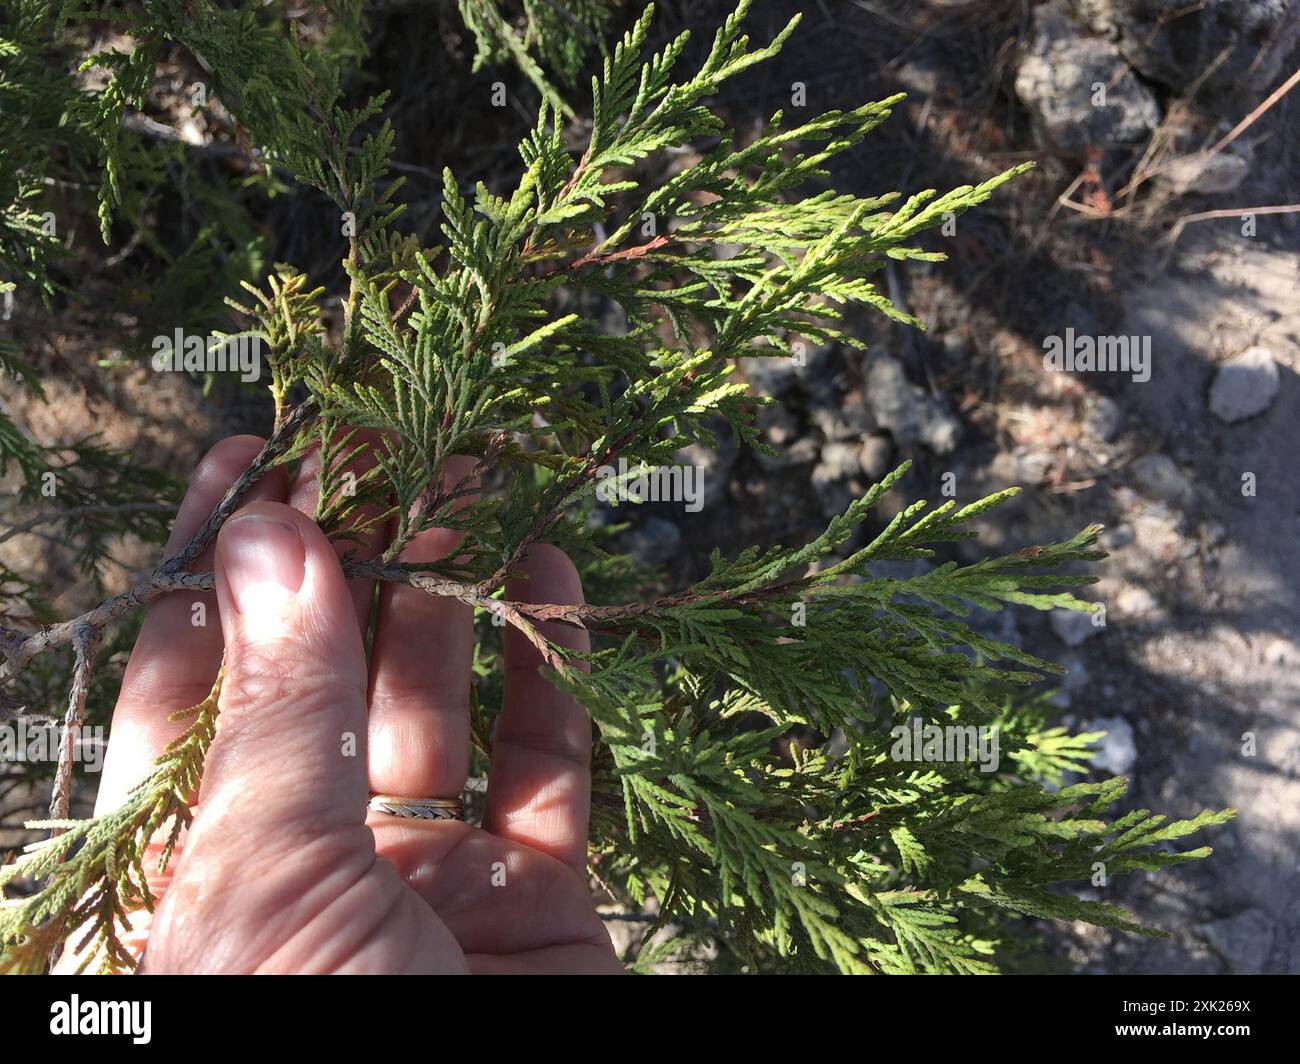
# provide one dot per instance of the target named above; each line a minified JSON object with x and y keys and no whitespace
{"x":20,"y":649}
{"x":1228,"y":212}
{"x":514,"y":613}
{"x":1254,"y":115}
{"x":274,"y":447}
{"x":595,"y":258}
{"x":85,"y":645}
{"x":545,"y":521}
{"x":80,"y":511}
{"x":525,"y":615}
{"x":627,"y":254}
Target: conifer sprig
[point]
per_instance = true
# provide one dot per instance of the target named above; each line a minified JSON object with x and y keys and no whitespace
{"x":94,"y":872}
{"x":555,"y":36}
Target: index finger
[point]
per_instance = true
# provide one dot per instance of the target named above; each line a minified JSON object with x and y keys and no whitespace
{"x":177,"y":654}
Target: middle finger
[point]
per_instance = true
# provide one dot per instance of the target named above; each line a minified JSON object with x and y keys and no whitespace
{"x":420,"y":677}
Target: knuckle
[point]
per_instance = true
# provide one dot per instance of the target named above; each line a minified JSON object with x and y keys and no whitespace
{"x":286,"y":680}
{"x":226,"y":459}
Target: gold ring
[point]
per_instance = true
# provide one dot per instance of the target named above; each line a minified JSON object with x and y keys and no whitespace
{"x":418,"y":808}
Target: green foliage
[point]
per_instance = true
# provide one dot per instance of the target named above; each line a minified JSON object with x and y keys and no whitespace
{"x":34,"y":103}
{"x":555,"y":36}
{"x":825,"y":853}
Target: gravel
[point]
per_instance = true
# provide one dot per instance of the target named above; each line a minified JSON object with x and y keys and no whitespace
{"x":1244,"y":387}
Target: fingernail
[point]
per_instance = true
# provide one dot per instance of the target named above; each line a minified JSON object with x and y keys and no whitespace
{"x":265,"y":562}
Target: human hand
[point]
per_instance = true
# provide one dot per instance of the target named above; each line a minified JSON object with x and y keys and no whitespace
{"x":282,"y":870}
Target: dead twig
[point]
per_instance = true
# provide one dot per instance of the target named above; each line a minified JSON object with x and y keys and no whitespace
{"x":1254,"y":115}
{"x":19,"y":649}
{"x":1227,"y":212}
{"x":83,"y":511}
{"x":85,"y":645}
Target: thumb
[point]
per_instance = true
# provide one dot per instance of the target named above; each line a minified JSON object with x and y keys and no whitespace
{"x":289,"y":753}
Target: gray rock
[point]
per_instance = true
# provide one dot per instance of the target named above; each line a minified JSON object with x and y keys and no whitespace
{"x":1205,"y":176}
{"x":849,"y":420}
{"x":1158,"y":475}
{"x":876,"y":457}
{"x":800,"y":451}
{"x":910,"y":415}
{"x":1233,"y":50}
{"x":955,"y":350}
{"x":1215,"y":532}
{"x":832,"y":492}
{"x":1136,"y":604}
{"x":1058,"y":79}
{"x":1244,"y":387}
{"x":623,"y":933}
{"x":1279,"y":652}
{"x":715,"y":465}
{"x":777,"y":424}
{"x":770,"y":375}
{"x":839,"y":461}
{"x":1072,"y":627}
{"x":830,"y":476}
{"x":940,"y":428}
{"x":1117,"y":750}
{"x":1118,"y":538}
{"x":823,"y":374}
{"x":1077,"y":677}
{"x":1029,"y":466}
{"x":655,"y":542}
{"x":1244,"y":940}
{"x":922,"y":75}
{"x":1105,"y":419}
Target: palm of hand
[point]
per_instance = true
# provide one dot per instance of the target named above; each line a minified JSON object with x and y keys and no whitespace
{"x":281,"y":870}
